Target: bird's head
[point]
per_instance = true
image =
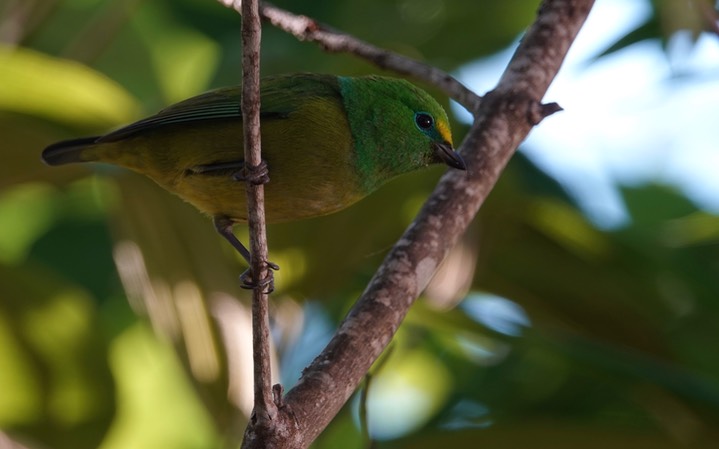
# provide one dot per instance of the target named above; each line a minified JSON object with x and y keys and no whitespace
{"x":396,"y":127}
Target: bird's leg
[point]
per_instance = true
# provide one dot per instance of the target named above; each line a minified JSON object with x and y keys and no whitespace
{"x":224,"y":225}
{"x":256,"y":175}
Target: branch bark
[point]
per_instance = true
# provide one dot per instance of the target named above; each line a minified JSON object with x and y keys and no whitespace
{"x":503,"y":119}
{"x":307,"y":29}
{"x":265,"y":410}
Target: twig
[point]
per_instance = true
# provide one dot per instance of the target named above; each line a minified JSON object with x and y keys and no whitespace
{"x":307,"y":29}
{"x":265,"y":410}
{"x":505,"y":117}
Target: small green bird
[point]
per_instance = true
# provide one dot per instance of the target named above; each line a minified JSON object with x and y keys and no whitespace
{"x":328,"y":141}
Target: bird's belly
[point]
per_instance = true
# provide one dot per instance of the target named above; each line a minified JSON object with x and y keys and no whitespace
{"x":223,"y":196}
{"x":309,"y":154}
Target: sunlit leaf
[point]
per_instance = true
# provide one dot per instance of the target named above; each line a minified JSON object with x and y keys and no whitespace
{"x":21,"y":398}
{"x":26,"y":211}
{"x":406,"y":393}
{"x":61,"y":90}
{"x":149,"y":374}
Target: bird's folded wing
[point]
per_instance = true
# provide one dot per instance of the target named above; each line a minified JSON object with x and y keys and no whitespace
{"x":280,"y":96}
{"x":213,"y":105}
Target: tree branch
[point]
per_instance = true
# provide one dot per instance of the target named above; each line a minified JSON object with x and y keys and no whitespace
{"x":307,"y":29}
{"x":265,"y":410}
{"x":503,"y":119}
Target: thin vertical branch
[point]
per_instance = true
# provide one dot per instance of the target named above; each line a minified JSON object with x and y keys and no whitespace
{"x":265,"y":409}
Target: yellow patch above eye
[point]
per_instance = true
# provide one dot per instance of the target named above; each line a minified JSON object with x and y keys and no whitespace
{"x":443,"y":129}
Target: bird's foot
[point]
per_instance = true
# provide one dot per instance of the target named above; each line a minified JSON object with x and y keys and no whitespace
{"x":257,"y":174}
{"x":267,"y":283}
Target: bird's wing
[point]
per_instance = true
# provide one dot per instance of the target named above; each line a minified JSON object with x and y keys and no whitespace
{"x":217,"y":104}
{"x":280,"y":96}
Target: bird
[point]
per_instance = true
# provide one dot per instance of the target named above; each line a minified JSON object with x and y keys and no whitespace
{"x":327,"y":142}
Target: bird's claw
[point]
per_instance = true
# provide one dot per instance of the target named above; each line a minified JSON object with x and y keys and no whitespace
{"x":257,"y":174}
{"x":267,"y":283}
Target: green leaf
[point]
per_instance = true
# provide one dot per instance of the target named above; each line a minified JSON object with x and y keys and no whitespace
{"x":646,"y":31}
{"x":26,"y":211}
{"x":184,"y":60}
{"x":61,"y":90}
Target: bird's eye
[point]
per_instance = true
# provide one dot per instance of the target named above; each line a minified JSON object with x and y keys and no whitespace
{"x":423,"y":120}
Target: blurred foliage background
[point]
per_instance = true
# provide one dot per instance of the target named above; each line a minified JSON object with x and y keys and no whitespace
{"x":122,"y":324}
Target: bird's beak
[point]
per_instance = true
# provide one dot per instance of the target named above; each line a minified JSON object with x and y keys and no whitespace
{"x":446,"y":154}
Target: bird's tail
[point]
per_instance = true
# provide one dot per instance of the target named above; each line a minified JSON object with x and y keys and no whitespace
{"x":68,"y":151}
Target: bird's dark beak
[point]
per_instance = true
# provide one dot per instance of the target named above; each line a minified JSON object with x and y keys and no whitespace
{"x":446,"y":154}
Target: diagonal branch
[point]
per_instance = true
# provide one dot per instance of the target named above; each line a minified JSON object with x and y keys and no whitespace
{"x":503,"y":119}
{"x":307,"y":29}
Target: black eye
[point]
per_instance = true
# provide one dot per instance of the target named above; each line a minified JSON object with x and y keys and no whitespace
{"x":424,"y":121}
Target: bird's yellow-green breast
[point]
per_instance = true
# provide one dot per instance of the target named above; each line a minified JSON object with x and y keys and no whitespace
{"x":328,"y":141}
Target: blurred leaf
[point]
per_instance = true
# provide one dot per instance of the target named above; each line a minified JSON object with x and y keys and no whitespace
{"x":21,"y":398}
{"x":698,"y":228}
{"x":650,"y":29}
{"x":667,"y":17}
{"x":61,"y":90}
{"x":568,"y":228}
{"x":653,"y":203}
{"x":414,"y":381}
{"x":79,"y":245}
{"x":637,"y":365}
{"x":26,"y":211}
{"x":157,"y":406}
{"x":342,"y":432}
{"x":53,"y":340}
{"x":183,"y":59}
{"x":554,"y":433}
